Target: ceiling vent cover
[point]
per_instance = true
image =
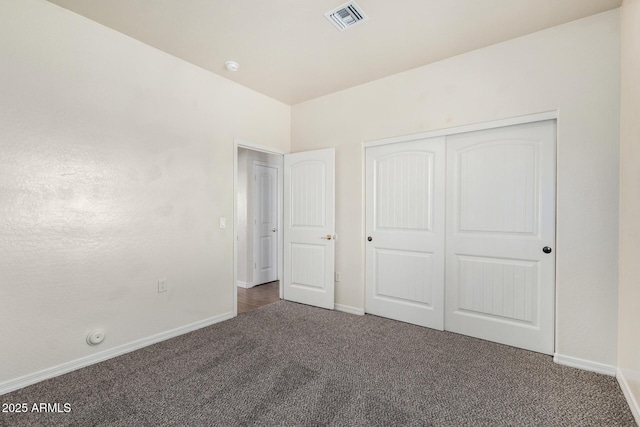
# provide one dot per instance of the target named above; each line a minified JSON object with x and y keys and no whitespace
{"x":346,"y":16}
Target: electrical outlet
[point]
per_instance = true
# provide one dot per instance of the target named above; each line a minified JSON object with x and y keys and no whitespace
{"x":162,"y":285}
{"x":223,"y":222}
{"x":337,"y":276}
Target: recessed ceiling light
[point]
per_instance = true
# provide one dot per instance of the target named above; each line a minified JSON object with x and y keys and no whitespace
{"x":231,"y":65}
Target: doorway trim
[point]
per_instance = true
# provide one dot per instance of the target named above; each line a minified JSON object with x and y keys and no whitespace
{"x":530,"y":118}
{"x":237,"y":144}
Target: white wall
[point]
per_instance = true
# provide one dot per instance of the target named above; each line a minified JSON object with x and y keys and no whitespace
{"x":629,"y":286}
{"x":574,"y":69}
{"x":116,"y":164}
{"x":246,"y":208}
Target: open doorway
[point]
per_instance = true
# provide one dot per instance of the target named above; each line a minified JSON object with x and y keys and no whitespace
{"x":258,"y":235}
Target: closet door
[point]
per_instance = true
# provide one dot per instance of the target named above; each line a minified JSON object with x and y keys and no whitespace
{"x":501,"y":235}
{"x":405,"y":231}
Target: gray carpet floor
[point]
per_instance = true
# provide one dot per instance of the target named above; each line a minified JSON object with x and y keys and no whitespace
{"x":292,"y":365}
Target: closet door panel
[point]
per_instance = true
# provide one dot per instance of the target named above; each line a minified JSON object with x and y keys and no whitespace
{"x":500,"y":218}
{"x":405,"y":231}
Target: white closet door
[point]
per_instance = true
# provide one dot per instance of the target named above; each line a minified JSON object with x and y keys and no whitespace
{"x":500,"y":226}
{"x":405,"y":201}
{"x":309,"y":227}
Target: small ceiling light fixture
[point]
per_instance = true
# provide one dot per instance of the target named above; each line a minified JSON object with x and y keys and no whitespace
{"x":231,"y":66}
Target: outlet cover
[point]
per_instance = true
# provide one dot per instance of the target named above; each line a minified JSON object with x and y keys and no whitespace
{"x":162,"y":285}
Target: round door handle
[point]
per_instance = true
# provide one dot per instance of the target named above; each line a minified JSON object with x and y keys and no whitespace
{"x":369,"y":238}
{"x":327,"y":237}
{"x":274,"y":229}
{"x":547,"y":250}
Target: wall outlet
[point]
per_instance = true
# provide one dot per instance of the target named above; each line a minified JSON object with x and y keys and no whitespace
{"x":337,"y":274}
{"x":162,"y":285}
{"x":223,"y":222}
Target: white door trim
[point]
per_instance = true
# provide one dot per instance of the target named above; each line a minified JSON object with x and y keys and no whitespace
{"x":239,"y":143}
{"x":530,"y":118}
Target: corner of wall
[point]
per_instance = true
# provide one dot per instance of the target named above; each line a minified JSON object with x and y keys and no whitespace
{"x":634,"y":404}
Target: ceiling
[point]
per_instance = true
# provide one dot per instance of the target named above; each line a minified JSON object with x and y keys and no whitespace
{"x":289,"y":51}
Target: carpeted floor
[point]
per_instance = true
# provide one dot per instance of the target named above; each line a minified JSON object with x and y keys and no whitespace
{"x":293,"y":365}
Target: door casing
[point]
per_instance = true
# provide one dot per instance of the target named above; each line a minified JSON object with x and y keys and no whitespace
{"x":239,"y":143}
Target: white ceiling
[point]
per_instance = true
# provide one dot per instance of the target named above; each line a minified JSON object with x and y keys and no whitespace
{"x":289,"y":51}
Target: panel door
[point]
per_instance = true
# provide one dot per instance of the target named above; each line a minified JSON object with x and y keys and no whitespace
{"x":309,"y":221}
{"x":500,"y":282}
{"x":265,"y":219}
{"x":405,"y":229}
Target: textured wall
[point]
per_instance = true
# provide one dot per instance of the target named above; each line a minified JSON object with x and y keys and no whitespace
{"x":116,"y":164}
{"x":572,"y":68}
{"x":629,"y":316}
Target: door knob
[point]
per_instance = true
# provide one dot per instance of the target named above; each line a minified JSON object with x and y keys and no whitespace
{"x":274,"y":229}
{"x":546,"y":250}
{"x":327,"y":237}
{"x":369,"y":238}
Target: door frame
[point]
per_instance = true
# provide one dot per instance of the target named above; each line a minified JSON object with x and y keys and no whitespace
{"x":256,"y":247}
{"x":519,"y":120}
{"x":237,"y":144}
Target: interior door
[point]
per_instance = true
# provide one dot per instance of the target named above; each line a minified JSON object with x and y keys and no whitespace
{"x":309,"y":227}
{"x":265,"y":223}
{"x":405,"y":228}
{"x":501,"y":235}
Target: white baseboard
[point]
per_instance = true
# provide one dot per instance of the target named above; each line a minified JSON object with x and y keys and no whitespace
{"x":242,"y":284}
{"x":348,"y":309}
{"x":45,"y":374}
{"x":586,"y":365}
{"x":634,"y":404}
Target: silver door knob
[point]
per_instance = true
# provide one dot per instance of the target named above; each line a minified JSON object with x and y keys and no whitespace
{"x":274,"y":229}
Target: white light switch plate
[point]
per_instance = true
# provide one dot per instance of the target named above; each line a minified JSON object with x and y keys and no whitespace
{"x":223,"y":222}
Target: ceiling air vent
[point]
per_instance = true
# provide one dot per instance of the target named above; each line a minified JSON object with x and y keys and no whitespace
{"x":346,"y":16}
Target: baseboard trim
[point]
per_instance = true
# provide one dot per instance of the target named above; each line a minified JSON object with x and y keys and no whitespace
{"x":246,"y":285}
{"x":349,"y":309}
{"x":634,"y":405}
{"x":64,"y":368}
{"x":586,"y":365}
